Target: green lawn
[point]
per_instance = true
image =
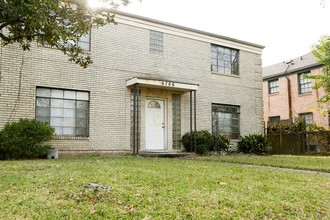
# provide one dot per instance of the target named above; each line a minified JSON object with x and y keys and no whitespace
{"x":151,"y":188}
{"x":316,"y":163}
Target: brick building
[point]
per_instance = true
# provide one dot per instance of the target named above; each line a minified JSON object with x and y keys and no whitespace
{"x":139,"y":91}
{"x":287,"y":95}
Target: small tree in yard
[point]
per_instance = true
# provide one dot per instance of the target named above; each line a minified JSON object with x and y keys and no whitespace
{"x":321,"y":51}
{"x":55,"y":23}
{"x":25,"y":139}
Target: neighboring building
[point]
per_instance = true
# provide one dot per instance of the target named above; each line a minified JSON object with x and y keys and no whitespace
{"x":162,"y":66}
{"x":287,"y":95}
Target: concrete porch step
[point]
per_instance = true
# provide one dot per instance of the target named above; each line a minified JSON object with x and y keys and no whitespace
{"x":164,"y":154}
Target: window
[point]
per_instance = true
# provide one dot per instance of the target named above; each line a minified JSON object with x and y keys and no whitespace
{"x":305,"y":85}
{"x":65,"y":110}
{"x":225,"y":120}
{"x":85,"y":42}
{"x":273,"y":86}
{"x":274,"y":118}
{"x":176,"y":122}
{"x":224,"y":60}
{"x":156,"y":43}
{"x":307,"y":117}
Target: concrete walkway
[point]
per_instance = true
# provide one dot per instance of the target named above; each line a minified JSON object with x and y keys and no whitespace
{"x":279,"y":168}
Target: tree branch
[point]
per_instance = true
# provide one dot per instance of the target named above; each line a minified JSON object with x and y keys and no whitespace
{"x":10,"y":22}
{"x":3,"y":37}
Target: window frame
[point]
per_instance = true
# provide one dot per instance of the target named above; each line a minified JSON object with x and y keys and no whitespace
{"x":302,"y":82}
{"x":75,"y":109}
{"x":273,"y":89}
{"x":310,"y":121}
{"x":219,"y":62}
{"x":153,"y":40}
{"x":89,"y":42}
{"x":226,"y":109}
{"x":274,"y":118}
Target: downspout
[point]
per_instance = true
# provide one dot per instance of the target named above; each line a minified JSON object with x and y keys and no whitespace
{"x":289,"y":63}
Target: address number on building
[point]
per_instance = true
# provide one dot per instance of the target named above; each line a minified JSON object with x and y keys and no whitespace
{"x":168,"y":83}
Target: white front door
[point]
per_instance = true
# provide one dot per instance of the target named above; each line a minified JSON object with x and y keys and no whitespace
{"x":155,"y":124}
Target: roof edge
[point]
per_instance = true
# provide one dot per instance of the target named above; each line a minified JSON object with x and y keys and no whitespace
{"x":186,"y":28}
{"x":312,"y":66}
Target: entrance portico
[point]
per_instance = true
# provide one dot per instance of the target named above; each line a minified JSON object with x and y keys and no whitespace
{"x":156,"y":114}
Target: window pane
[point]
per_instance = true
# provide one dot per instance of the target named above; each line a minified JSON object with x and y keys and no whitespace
{"x":81,"y":113}
{"x":81,"y":132}
{"x":56,"y":93}
{"x":69,"y":122}
{"x":84,"y":38}
{"x":43,"y":92}
{"x":82,"y":105}
{"x":69,"y":113}
{"x":58,"y":130}
{"x":56,"y":121}
{"x":69,"y":104}
{"x":56,"y":112}
{"x":68,"y":131}
{"x":57,"y":103}
{"x":69,"y":95}
{"x":84,"y":45}
{"x":43,"y":102}
{"x":81,"y":122}
{"x":82,"y":96}
{"x":42,"y":111}
{"x":43,"y":119}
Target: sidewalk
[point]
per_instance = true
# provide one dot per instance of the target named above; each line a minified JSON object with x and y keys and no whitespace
{"x":280,"y":168}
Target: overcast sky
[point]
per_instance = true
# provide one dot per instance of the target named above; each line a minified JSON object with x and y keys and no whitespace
{"x":287,"y":28}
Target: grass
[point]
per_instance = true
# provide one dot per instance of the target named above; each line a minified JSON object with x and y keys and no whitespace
{"x":151,"y":188}
{"x":314,"y":163}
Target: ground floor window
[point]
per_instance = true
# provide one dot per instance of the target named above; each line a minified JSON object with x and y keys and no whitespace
{"x":307,"y":117}
{"x":274,"y":118}
{"x":65,"y":110}
{"x":225,"y":120}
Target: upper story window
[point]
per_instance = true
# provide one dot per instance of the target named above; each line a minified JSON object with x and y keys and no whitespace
{"x":305,"y":84}
{"x":85,"y":41}
{"x":65,"y":110}
{"x":225,"y":120}
{"x":307,"y":117}
{"x":224,"y":60}
{"x":273,"y":86}
{"x":156,"y":43}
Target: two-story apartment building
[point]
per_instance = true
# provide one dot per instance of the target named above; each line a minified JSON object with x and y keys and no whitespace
{"x":288,"y":95}
{"x":150,"y":83}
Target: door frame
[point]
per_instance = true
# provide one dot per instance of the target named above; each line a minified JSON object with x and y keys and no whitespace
{"x":165,"y":121}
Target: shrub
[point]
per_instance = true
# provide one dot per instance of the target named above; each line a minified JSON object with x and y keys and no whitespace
{"x":255,"y":144}
{"x":204,"y":141}
{"x":202,"y":149}
{"x":220,"y":143}
{"x":25,"y":139}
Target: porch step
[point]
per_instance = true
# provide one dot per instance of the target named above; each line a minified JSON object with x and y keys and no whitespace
{"x":165,"y":154}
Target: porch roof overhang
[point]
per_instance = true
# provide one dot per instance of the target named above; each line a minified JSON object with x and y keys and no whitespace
{"x":162,"y":84}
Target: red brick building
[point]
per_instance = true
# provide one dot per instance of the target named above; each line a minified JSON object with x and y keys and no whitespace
{"x":287,"y":95}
